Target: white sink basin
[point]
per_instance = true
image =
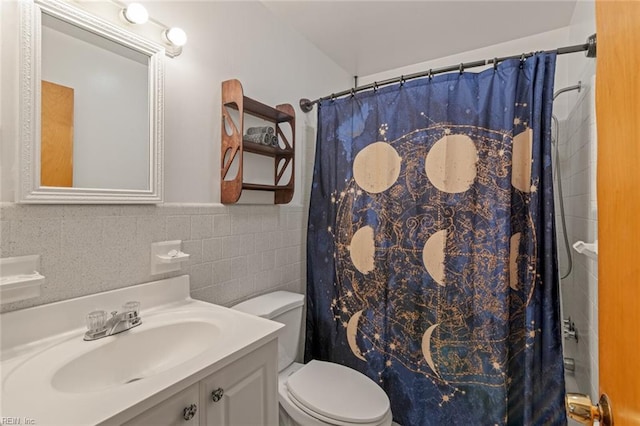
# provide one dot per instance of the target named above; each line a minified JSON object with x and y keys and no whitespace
{"x":129,"y":357}
{"x":52,"y":375}
{"x":161,"y":343}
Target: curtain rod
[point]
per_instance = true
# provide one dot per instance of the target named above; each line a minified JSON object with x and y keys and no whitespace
{"x":589,"y":47}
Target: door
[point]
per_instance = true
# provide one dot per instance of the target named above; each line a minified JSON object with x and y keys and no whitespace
{"x":618,"y":121}
{"x":56,"y":161}
{"x":245,"y":392}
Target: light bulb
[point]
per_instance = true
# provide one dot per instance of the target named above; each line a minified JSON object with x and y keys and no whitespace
{"x":135,"y":13}
{"x":175,"y":36}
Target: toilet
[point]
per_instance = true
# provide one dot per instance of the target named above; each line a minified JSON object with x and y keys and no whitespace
{"x":318,"y":393}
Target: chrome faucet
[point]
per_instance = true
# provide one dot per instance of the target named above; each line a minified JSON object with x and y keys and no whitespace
{"x":98,"y":326}
{"x":569,"y":329}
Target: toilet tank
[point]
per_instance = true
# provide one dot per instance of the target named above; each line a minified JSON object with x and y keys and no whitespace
{"x":284,"y":307}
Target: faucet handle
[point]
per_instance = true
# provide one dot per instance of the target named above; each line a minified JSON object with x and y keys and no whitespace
{"x":131,"y":306}
{"x":96,"y":321}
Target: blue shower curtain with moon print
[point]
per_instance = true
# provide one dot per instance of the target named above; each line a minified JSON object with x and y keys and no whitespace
{"x":431,"y":246}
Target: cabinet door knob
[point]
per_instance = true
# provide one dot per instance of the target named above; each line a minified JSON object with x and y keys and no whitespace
{"x":217,"y":394}
{"x":189,"y":412}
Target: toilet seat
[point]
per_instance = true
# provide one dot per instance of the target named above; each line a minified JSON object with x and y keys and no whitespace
{"x":326,"y":420}
{"x":337,"y":395}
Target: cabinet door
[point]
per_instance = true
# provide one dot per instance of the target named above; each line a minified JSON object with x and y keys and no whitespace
{"x":245,"y":392}
{"x":173,"y":411}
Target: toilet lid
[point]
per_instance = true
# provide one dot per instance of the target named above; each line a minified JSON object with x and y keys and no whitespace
{"x":338,"y":392}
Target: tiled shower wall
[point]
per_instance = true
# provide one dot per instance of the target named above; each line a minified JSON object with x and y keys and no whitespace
{"x":580,"y":289}
{"x":236,"y":251}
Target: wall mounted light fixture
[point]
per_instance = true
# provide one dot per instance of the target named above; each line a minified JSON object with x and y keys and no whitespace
{"x":175,"y":36}
{"x":135,"y":13}
{"x":135,"y":17}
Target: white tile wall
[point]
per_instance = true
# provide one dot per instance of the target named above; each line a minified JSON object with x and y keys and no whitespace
{"x":580,"y":289}
{"x":236,"y":251}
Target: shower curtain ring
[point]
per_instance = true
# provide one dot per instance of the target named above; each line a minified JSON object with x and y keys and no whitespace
{"x":333,"y":97}
{"x":353,"y":92}
{"x":522,"y":59}
{"x":430,"y":75}
{"x":375,"y":86}
{"x":495,"y":64}
{"x":461,"y":68}
{"x":401,"y":80}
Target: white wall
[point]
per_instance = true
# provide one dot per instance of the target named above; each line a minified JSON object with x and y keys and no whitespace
{"x":110,"y":121}
{"x":543,"y":41}
{"x":237,"y":251}
{"x":8,"y":99}
{"x":583,"y":24}
{"x":228,"y":40}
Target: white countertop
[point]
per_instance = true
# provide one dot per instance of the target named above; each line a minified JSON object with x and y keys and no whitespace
{"x":29,"y":363}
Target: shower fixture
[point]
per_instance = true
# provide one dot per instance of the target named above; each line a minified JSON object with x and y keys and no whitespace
{"x":569,"y":329}
{"x":558,"y":174}
{"x":577,"y":87}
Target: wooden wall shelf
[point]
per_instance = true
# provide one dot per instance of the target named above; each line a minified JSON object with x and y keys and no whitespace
{"x":234,"y":145}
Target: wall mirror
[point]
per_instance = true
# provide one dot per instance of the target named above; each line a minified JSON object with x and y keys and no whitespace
{"x":91,"y":111}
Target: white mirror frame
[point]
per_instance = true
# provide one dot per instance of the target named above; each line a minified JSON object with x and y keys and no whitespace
{"x":29,"y":189}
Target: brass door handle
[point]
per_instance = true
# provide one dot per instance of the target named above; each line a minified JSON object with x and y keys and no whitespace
{"x":580,"y":409}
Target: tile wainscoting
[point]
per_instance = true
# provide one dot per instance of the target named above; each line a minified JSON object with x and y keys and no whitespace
{"x":236,"y":251}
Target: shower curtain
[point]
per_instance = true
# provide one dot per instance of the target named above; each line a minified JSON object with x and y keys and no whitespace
{"x":431,"y":246}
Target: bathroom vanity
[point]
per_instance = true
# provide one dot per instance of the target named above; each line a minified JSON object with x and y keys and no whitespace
{"x":188,"y":362}
{"x":238,"y":394}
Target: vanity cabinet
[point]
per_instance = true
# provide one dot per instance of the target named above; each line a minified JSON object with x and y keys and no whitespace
{"x":172,"y":410}
{"x":234,"y":143}
{"x":243,"y":392}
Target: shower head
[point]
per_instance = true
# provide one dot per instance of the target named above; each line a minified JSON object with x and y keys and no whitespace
{"x":577,"y":87}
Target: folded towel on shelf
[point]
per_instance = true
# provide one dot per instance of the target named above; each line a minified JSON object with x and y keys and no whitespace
{"x":260,"y":130}
{"x":260,"y":138}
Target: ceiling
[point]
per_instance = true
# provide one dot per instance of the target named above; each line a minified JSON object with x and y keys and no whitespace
{"x":367,"y":37}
